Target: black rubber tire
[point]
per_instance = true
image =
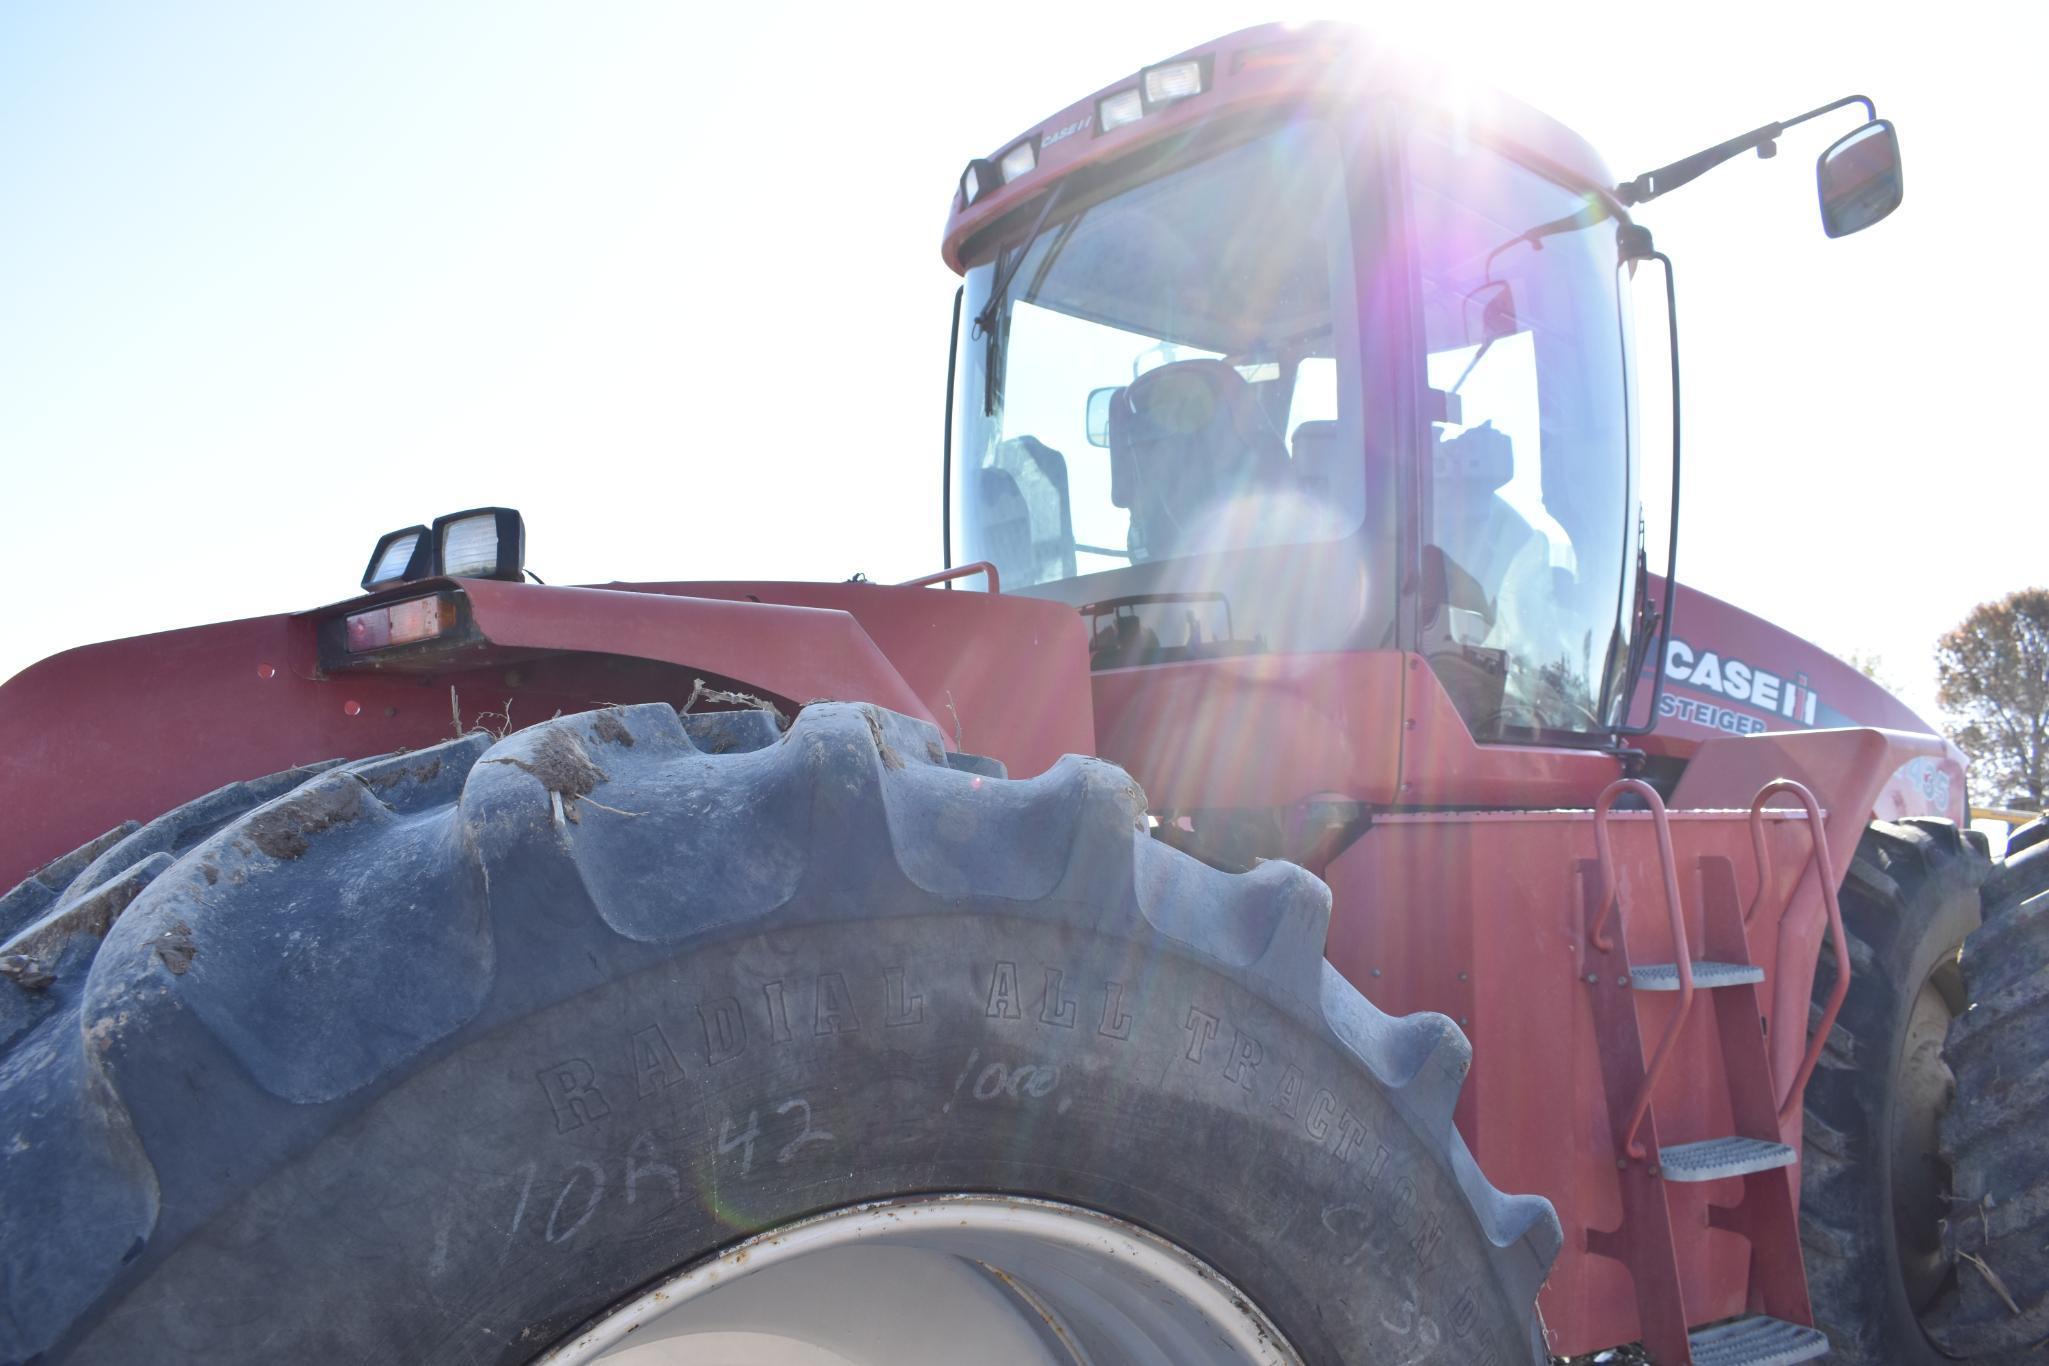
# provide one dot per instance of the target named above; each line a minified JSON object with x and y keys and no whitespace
{"x":1994,"y":1134}
{"x":2027,"y":837}
{"x":440,"y":1055}
{"x":1871,"y":1183}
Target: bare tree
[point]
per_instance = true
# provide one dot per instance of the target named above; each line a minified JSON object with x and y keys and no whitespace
{"x":1993,"y":672}
{"x":1872,"y":665}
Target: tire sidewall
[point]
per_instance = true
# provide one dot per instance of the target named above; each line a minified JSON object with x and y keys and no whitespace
{"x":531,"y":1175}
{"x":1906,"y":942}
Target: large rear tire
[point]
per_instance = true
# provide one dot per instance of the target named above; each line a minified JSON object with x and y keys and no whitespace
{"x":445,"y":1056}
{"x":1998,"y":1226}
{"x":1873,"y":1191}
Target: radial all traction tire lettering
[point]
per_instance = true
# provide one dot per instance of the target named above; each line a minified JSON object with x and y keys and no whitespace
{"x":575,"y":1098}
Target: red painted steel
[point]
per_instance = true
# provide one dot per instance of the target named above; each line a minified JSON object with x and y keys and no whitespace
{"x":1255,"y":730}
{"x":1642,"y":1241}
{"x":130,"y":728}
{"x":1611,"y":896}
{"x":1262,"y":68}
{"x":959,"y":571}
{"x":1847,"y":769}
{"x":1648,"y":1241}
{"x":1006,"y":676}
{"x":1768,"y":1215}
{"x":1484,"y":916}
{"x":1783,"y":684}
{"x":1442,"y":765}
{"x":789,"y":652}
{"x":1825,"y":879}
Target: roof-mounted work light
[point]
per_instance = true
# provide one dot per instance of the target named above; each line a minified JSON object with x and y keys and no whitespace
{"x":1020,"y":160}
{"x":1114,"y":111}
{"x":483,"y":543}
{"x":978,"y":179}
{"x":1172,"y":81}
{"x":400,"y":556}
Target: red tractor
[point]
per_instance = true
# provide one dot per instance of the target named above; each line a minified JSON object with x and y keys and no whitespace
{"x":612,"y":997}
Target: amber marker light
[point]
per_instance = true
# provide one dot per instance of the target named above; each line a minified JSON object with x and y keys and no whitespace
{"x":400,"y":623}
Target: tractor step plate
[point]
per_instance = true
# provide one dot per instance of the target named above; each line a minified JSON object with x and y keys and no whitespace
{"x":1756,"y":1341}
{"x":1712,"y":1159}
{"x":1665,"y":976}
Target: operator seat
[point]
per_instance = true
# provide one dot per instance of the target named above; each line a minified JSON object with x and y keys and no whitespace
{"x":1327,"y":469}
{"x":1003,"y":522}
{"x":1185,"y":439}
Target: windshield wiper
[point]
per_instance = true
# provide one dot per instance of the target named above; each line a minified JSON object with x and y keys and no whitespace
{"x":987,"y":322}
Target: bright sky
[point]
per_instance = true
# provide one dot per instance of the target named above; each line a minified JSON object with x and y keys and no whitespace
{"x":275,"y":279}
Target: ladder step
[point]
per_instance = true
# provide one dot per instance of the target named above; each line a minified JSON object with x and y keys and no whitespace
{"x":1711,"y":1159}
{"x":1756,"y":1341}
{"x":1665,"y":976}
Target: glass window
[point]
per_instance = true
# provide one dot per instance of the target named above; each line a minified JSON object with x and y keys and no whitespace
{"x":1161,"y":377}
{"x":1527,"y":562}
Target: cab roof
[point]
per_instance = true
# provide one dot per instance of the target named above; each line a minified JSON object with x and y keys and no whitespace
{"x":1273,"y":65}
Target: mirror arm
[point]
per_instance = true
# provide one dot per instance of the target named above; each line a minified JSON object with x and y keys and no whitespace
{"x":1656,"y":631}
{"x":1764,"y":141}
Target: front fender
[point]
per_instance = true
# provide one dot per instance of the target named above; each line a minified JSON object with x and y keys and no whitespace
{"x":127,"y":729}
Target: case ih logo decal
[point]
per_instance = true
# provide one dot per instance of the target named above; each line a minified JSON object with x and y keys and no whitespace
{"x":1069,"y":131}
{"x":1737,"y":681}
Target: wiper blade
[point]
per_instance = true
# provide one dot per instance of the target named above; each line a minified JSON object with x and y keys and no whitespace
{"x":985,"y":321}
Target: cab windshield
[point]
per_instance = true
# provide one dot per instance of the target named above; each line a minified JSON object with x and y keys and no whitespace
{"x":1176,"y":407}
{"x":1167,"y":374}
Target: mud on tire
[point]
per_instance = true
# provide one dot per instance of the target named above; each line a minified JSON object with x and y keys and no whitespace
{"x":437,"y":1056}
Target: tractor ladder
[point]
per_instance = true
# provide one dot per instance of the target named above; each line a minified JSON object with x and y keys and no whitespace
{"x":1779,"y":1327}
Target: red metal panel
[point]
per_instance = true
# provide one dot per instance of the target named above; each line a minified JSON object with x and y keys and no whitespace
{"x":1256,"y":730}
{"x":127,"y":729}
{"x":1443,"y":766}
{"x":1733,"y":673}
{"x":1846,"y":769}
{"x":1003,"y":675}
{"x":789,"y":652}
{"x":1258,"y":68}
{"x":1482,"y":916}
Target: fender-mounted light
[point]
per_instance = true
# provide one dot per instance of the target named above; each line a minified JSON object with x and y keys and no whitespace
{"x":483,"y":543}
{"x":400,"y":557}
{"x":1171,"y":81}
{"x":1114,"y":111}
{"x":399,"y":623}
{"x":1020,"y":160}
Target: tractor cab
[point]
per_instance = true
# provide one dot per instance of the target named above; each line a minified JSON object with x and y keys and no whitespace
{"x":1352,"y":370}
{"x":1285,"y":333}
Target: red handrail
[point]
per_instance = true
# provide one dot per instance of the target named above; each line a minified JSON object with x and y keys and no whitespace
{"x":959,"y":571}
{"x":1610,"y":898}
{"x":1824,"y":867}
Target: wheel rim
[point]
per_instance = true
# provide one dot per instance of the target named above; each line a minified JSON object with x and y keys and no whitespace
{"x":1920,"y":1183}
{"x":941,"y":1279}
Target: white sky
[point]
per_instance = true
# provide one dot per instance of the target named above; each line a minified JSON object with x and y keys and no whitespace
{"x":276,"y":279}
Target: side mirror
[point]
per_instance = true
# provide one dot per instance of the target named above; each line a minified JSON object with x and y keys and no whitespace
{"x":1497,"y":319}
{"x":1859,"y":179}
{"x":1098,"y":422}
